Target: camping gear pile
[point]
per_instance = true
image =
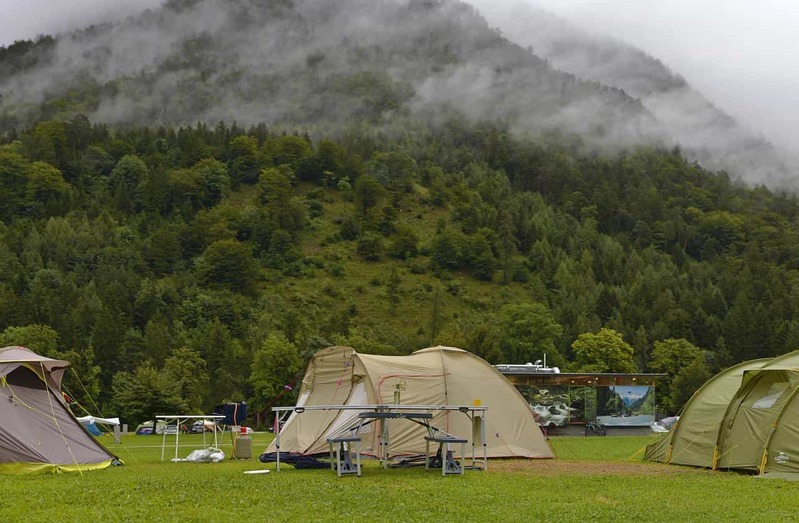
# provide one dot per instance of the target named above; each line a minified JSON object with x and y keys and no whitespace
{"x":744,"y":418}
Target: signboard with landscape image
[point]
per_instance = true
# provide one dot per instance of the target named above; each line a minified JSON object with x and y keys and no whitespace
{"x":613,"y":405}
{"x":559,"y":405}
{"x":625,"y":405}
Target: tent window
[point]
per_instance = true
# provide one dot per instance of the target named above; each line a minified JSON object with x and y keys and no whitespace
{"x":24,"y":377}
{"x":770,"y":398}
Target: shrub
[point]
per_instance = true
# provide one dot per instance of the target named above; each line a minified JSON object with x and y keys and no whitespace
{"x":350,"y":228}
{"x":315,"y":209}
{"x":403,"y":245}
{"x":370,"y":247}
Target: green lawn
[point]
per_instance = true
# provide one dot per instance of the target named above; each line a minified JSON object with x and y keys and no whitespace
{"x":593,"y":479}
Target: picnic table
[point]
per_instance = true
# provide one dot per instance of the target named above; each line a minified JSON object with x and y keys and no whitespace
{"x":384,"y":414}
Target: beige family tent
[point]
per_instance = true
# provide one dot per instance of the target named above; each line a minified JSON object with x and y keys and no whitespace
{"x":434,"y":376}
{"x":746,"y":417}
{"x":37,"y":430}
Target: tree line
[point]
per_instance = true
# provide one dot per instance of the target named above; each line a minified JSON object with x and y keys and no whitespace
{"x":180,"y":267}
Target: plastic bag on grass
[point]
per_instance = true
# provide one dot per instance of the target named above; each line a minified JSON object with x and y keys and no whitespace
{"x":209,"y":455}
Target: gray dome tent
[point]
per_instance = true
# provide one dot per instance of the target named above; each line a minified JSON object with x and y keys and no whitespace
{"x":37,"y":430}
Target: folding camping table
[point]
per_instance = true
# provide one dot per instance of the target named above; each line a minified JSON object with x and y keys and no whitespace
{"x":180,"y":418}
{"x":420,"y":414}
{"x":383,"y":417}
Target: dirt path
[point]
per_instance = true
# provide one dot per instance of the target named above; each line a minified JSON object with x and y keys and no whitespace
{"x":557,"y":467}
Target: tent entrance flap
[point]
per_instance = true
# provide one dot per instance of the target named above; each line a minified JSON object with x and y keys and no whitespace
{"x":749,"y":423}
{"x":744,"y":418}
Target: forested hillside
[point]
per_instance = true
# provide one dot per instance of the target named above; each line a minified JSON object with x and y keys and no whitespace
{"x":167,"y":257}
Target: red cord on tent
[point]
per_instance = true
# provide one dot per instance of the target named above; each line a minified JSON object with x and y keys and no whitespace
{"x":289,"y":387}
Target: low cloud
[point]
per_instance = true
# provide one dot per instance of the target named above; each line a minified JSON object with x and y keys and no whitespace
{"x":690,"y":73}
{"x":27,"y":19}
{"x":248,"y":62}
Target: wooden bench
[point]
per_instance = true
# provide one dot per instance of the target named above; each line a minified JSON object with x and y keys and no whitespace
{"x":343,"y":461}
{"x":448,"y":463}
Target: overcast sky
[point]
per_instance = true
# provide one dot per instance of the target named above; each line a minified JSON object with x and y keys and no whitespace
{"x":26,"y":19}
{"x":741,"y":54}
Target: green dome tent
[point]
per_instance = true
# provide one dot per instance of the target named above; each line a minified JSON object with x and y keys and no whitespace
{"x":37,"y":430}
{"x":744,"y":418}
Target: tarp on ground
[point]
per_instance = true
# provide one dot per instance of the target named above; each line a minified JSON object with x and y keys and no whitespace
{"x":433,"y":376}
{"x":744,"y":418}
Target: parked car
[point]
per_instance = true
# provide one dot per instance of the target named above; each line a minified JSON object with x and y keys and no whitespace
{"x":198,"y":427}
{"x":271,"y":427}
{"x":173,"y":429}
{"x":144,"y":431}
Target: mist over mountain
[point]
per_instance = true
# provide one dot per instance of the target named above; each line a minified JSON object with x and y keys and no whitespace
{"x":708,"y":134}
{"x":306,"y":63}
{"x":387,"y":64}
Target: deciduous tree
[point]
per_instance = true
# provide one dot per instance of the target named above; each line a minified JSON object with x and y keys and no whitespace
{"x":228,"y":264}
{"x":527,"y":332}
{"x":604,"y":351}
{"x":141,"y":395}
{"x":276,"y":364}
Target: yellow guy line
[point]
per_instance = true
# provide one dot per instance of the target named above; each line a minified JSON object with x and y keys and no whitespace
{"x":52,"y":409}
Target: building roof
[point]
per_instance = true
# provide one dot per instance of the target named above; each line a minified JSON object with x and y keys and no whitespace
{"x":536,"y":374}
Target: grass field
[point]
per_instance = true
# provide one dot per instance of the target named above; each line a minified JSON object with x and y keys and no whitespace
{"x":598,"y":479}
